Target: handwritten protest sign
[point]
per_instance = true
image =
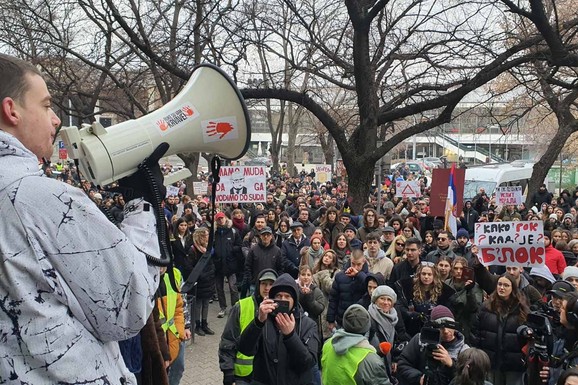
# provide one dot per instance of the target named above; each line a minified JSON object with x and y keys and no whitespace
{"x":172,"y":191}
{"x":243,"y":184}
{"x":200,"y":187}
{"x":407,"y":189}
{"x":511,"y":243}
{"x":511,"y":195}
{"x":322,"y":173}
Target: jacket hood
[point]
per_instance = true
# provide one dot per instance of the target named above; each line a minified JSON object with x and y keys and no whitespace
{"x":380,"y":254}
{"x":456,"y":346}
{"x":16,"y":160}
{"x":287,"y":284}
{"x":342,"y":341}
{"x":378,"y":277}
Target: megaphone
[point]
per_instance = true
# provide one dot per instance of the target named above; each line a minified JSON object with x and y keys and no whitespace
{"x":208,"y":115}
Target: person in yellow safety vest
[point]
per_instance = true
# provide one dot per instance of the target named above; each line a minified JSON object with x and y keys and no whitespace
{"x":171,"y":313}
{"x":350,"y":351}
{"x":236,"y":367}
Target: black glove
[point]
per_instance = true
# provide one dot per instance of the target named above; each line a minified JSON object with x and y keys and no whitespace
{"x":228,"y":378}
{"x":137,"y":185}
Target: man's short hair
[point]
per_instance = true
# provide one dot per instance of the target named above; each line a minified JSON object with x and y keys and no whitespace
{"x":13,"y":72}
{"x":357,"y":255}
{"x":413,"y":241}
{"x":373,"y":236}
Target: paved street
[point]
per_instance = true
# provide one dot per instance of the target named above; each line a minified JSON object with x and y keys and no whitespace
{"x":201,"y":357}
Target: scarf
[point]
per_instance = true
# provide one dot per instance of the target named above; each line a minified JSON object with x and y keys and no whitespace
{"x":385,"y":321}
{"x":284,"y":235}
{"x":239,"y":223}
{"x":313,"y":256}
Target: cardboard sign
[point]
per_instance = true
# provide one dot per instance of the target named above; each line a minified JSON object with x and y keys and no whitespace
{"x":322,"y":173}
{"x":243,"y":184}
{"x":511,"y":243}
{"x":200,"y":188}
{"x":511,"y":195}
{"x":172,"y":191}
{"x":439,"y":190}
{"x":407,"y":189}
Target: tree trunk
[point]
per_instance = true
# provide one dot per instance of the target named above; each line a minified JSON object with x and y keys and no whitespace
{"x":360,"y":178}
{"x":292,"y":137}
{"x":546,"y":161}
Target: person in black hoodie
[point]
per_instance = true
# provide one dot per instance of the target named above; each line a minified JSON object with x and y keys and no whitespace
{"x":371,"y":282}
{"x":285,"y":346}
{"x":228,"y":260}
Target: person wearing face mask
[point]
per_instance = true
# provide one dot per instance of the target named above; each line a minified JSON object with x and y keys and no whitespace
{"x":495,"y":331}
{"x":411,"y":368}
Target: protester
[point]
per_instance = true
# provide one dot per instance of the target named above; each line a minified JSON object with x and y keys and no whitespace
{"x":237,"y":368}
{"x":495,"y":331}
{"x":73,"y":284}
{"x":284,"y":345}
{"x":350,"y":351}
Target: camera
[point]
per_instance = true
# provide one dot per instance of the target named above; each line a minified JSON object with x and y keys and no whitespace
{"x":429,"y":339}
{"x":282,"y":307}
{"x":538,"y":333}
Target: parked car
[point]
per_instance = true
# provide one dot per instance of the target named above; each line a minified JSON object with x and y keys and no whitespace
{"x":437,"y":162}
{"x":259,"y":161}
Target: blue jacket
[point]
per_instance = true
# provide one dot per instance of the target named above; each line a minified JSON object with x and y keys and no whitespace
{"x":290,"y":250}
{"x":345,"y":291}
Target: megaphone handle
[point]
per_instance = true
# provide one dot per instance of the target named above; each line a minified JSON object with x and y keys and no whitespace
{"x":163,"y":236}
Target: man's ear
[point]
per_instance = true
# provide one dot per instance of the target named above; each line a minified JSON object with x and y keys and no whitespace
{"x":9,"y":112}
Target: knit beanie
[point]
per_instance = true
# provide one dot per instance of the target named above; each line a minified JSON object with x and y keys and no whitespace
{"x":381,"y":291}
{"x":462,"y":233}
{"x":441,"y":313}
{"x":570,"y":271}
{"x":356,"y":320}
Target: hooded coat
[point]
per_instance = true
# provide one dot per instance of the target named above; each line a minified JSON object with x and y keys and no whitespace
{"x":371,"y":370}
{"x":279,"y":359}
{"x":412,"y":362}
{"x":68,"y":276}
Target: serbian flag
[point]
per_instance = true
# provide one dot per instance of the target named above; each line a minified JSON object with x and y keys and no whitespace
{"x":451,"y":221}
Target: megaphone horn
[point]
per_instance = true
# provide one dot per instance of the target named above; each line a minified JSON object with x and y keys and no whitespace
{"x":208,"y":115}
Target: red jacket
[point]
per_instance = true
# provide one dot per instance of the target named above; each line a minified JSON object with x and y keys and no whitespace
{"x":555,"y":260}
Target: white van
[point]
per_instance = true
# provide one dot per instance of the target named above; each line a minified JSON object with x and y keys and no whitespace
{"x":490,"y":176}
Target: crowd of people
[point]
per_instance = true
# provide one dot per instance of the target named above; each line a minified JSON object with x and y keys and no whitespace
{"x":392,"y":265}
{"x":385,"y":295}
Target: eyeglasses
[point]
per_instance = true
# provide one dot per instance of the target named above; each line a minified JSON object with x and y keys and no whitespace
{"x":400,"y":243}
{"x":442,"y":239}
{"x":428,"y":264}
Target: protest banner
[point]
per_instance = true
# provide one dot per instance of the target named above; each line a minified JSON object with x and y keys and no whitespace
{"x":439,"y":190}
{"x":322,"y":173}
{"x":407,"y":189}
{"x":511,"y":243}
{"x":242,"y":184}
{"x":509,"y":195}
{"x":172,"y":191}
{"x":200,"y":187}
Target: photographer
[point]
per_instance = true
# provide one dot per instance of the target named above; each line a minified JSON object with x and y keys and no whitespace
{"x":565,"y":348}
{"x":427,"y":362}
{"x":283,"y":341}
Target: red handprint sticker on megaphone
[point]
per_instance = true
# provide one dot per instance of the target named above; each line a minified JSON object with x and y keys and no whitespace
{"x":223,"y":128}
{"x":219,"y":128}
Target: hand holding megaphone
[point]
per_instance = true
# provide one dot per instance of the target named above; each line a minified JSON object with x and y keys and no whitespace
{"x":147,"y":182}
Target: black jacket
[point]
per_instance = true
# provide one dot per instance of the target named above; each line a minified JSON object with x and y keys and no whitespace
{"x":291,"y":253}
{"x":260,"y":258}
{"x":206,"y":282}
{"x":279,"y":359}
{"x":365,"y":300}
{"x":415,"y":318}
{"x":345,"y":291}
{"x":400,"y":271}
{"x":228,"y":257}
{"x":498,"y":337}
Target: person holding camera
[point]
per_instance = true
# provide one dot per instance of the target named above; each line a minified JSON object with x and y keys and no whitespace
{"x":236,"y":367}
{"x":565,"y":348}
{"x":429,"y":357}
{"x":495,"y":331}
{"x":282,"y":339}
